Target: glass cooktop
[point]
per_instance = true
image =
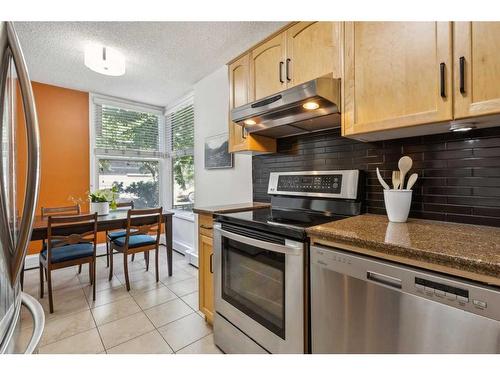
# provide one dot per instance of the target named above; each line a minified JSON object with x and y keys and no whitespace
{"x":286,"y":222}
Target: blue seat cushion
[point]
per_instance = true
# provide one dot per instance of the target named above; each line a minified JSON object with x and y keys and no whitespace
{"x":54,"y":243}
{"x":69,"y":252}
{"x":135,"y":241}
{"x":119,"y":233}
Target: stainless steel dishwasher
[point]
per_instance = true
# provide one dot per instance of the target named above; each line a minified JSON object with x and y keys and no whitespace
{"x":363,"y":305}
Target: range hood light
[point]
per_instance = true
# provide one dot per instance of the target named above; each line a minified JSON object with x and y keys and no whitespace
{"x":465,"y":127}
{"x":310,"y":106}
{"x":249,"y":122}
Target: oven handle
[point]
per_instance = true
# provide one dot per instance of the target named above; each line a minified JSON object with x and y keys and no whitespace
{"x":289,"y":248}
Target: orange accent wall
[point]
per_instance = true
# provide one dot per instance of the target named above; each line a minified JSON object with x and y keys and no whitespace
{"x":63,"y":118}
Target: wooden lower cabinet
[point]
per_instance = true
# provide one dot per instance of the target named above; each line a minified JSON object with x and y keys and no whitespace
{"x":205,"y":267}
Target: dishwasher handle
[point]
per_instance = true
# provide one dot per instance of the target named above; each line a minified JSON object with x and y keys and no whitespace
{"x":380,"y":278}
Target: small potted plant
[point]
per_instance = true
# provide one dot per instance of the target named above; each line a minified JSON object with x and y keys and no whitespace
{"x":102,"y":200}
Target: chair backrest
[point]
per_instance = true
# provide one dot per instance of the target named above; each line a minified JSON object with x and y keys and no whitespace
{"x":125,"y":204}
{"x":69,"y":230}
{"x":66,"y":210}
{"x":144,"y":221}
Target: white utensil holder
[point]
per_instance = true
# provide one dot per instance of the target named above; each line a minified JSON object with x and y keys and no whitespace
{"x":397,"y":204}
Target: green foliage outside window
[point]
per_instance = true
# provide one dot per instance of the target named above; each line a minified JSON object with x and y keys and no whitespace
{"x":127,"y":130}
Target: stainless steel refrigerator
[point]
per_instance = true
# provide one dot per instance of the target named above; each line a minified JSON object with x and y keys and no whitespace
{"x":16,"y":96}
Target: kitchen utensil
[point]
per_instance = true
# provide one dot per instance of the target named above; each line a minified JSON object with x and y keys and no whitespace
{"x":411,"y":181}
{"x":396,"y":175}
{"x":397,"y":204}
{"x":404,"y":166}
{"x":381,"y":180}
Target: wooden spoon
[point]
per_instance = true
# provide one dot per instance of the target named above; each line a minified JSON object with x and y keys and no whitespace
{"x":411,"y":181}
{"x":404,"y":165}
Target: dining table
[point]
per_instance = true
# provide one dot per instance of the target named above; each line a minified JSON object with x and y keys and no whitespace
{"x":116,"y":219}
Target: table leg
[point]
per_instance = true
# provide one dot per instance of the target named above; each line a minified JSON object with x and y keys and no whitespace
{"x":168,"y":236}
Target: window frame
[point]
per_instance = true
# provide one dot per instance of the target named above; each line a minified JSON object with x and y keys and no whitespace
{"x":164,"y":166}
{"x":178,"y":105}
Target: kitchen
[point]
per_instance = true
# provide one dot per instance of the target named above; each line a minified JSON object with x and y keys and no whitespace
{"x":340,"y":195}
{"x":314,"y":177}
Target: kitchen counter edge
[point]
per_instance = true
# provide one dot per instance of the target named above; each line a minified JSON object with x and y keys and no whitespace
{"x":437,"y":251}
{"x":230,"y":208}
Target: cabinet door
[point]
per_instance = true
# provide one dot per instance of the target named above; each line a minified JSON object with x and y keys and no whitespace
{"x":267,"y":61}
{"x":206,"y":277}
{"x":478,"y":44}
{"x":238,"y":95}
{"x":313,"y":50}
{"x":396,"y":74}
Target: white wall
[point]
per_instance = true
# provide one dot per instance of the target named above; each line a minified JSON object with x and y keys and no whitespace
{"x":222,"y":186}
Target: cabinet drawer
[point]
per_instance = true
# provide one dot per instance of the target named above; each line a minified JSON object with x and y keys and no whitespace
{"x":205,"y":225}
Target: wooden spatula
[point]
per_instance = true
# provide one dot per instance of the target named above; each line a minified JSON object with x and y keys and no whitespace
{"x":381,"y":180}
{"x":411,"y":181}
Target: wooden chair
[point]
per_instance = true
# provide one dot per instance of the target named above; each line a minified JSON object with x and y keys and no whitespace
{"x":110,"y":236}
{"x":46,"y":211}
{"x":68,"y":246}
{"x":138,"y":239}
{"x":67,"y":210}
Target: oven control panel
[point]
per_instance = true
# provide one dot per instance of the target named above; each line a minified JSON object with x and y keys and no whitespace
{"x":325,"y":184}
{"x":311,"y":183}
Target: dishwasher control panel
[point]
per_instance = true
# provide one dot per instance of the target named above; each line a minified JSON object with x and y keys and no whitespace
{"x":449,"y":292}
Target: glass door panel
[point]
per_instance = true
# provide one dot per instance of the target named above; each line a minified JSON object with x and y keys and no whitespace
{"x":253,"y":281}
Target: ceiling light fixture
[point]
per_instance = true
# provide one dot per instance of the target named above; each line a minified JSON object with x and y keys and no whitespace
{"x":310,"y":105}
{"x":104,"y":60}
{"x":464,"y":127}
{"x":249,"y":122}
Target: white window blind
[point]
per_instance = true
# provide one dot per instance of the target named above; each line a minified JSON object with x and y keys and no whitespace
{"x":128,"y":132}
{"x":181,"y":124}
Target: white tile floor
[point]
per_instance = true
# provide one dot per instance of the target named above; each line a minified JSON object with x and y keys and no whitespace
{"x":153,"y":317}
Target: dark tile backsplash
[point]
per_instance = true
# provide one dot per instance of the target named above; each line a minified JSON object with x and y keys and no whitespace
{"x":459,"y":174}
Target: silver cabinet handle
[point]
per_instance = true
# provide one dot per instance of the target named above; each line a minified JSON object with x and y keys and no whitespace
{"x":38,"y":315}
{"x":33,"y":170}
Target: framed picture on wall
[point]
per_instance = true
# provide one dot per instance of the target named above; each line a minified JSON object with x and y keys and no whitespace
{"x":217,"y":154}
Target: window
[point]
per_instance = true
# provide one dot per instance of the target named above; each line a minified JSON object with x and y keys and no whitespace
{"x":180,"y":123}
{"x":128,"y":150}
{"x":136,"y":180}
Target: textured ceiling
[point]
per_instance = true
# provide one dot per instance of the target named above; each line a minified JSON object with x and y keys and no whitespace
{"x":163,"y":59}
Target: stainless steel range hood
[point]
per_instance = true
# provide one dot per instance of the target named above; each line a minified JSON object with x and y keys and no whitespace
{"x":309,"y":107}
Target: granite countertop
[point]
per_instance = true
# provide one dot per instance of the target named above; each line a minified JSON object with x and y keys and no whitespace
{"x":229,"y":208}
{"x":471,"y":251}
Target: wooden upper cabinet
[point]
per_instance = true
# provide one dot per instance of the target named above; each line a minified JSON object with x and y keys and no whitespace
{"x":267,"y":61}
{"x":313,"y":50}
{"x":239,"y":89}
{"x":477,"y":88}
{"x":392,"y":75}
{"x":238,"y":95}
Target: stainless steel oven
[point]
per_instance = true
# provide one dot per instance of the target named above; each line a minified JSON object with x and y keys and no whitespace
{"x":259,"y":291}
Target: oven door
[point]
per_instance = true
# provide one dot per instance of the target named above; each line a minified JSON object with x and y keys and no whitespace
{"x":259,"y":286}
